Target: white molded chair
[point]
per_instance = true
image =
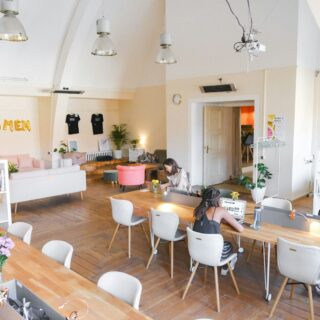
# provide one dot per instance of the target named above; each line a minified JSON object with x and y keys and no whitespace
{"x":277,"y":203}
{"x":122,"y":286}
{"x":165,"y":226}
{"x":300,"y":263}
{"x":207,"y":249}
{"x":60,"y":251}
{"x":122,"y":214}
{"x":21,"y":230}
{"x":274,"y":203}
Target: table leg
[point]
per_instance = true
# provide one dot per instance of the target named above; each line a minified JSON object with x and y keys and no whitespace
{"x":151,"y":233}
{"x":240,"y":249}
{"x":266,"y":270}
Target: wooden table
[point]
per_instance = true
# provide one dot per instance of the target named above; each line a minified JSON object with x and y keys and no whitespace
{"x":95,"y":169}
{"x":54,"y":283}
{"x":268,"y":234}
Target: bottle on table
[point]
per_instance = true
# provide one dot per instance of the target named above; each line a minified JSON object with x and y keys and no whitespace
{"x":257,"y":218}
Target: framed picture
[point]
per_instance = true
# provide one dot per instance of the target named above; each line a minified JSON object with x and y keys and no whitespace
{"x":73,"y":145}
{"x":104,"y":144}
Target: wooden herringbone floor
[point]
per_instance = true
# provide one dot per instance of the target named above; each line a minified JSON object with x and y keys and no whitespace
{"x":88,"y":226}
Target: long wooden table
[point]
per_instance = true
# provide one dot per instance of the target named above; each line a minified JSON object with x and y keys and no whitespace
{"x":144,"y":200}
{"x":55,"y":284}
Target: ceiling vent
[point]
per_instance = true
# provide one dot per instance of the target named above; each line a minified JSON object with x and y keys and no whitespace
{"x":218,"y":88}
{"x":67,"y":91}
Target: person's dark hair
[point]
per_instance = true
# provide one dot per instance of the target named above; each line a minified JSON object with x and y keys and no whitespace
{"x":173,"y":164}
{"x":210,"y":198}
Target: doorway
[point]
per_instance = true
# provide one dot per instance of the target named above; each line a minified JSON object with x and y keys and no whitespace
{"x":247,"y":137}
{"x":222,"y":144}
{"x":196,"y":146}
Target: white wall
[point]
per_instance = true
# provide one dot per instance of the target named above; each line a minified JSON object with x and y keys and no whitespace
{"x":145,"y":116}
{"x":273,"y":92}
{"x":87,"y":141}
{"x":18,"y":142}
{"x":308,"y":41}
{"x":303,"y":121}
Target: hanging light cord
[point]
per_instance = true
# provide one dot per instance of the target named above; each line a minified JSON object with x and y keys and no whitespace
{"x":239,"y":45}
{"x":239,"y":23}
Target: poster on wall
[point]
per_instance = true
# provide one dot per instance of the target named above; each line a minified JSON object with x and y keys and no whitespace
{"x":104,"y":144}
{"x":279,"y":124}
{"x":73,"y":145}
{"x":276,"y":127}
{"x":270,"y":126}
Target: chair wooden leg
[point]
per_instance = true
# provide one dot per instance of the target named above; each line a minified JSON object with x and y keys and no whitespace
{"x":293,"y":286}
{"x":233,"y":279}
{"x":278,"y":296}
{"x":81,"y":195}
{"x":171,"y":258}
{"x":190,"y":280}
{"x":152,"y":253}
{"x":144,"y":231}
{"x":311,"y":302}
{"x":114,"y":235}
{"x":216,"y":281}
{"x":251,"y":250}
{"x":129,"y":242}
{"x":205,"y":275}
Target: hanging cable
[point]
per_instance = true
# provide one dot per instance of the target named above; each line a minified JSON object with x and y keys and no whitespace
{"x":250,"y":17}
{"x":239,"y":23}
{"x":248,"y":40}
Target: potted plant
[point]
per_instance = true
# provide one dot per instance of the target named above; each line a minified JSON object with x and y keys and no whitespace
{"x":134,"y":143}
{"x":258,"y":189}
{"x":58,"y":154}
{"x":12,"y":167}
{"x":119,"y":136}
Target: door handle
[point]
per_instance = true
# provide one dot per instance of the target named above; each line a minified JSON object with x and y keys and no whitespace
{"x":206,"y":148}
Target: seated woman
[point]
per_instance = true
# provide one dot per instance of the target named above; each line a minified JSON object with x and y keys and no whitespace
{"x":208,"y":217}
{"x":178,"y":178}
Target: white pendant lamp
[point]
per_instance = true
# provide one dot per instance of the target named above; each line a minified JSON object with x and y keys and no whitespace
{"x":165,"y":55}
{"x":11,"y":29}
{"x":103,"y":46}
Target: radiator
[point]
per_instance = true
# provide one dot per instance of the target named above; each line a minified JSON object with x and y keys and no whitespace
{"x":92,"y":156}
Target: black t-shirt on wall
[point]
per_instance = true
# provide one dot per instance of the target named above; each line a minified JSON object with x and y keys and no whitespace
{"x":72,"y":120}
{"x":97,"y":123}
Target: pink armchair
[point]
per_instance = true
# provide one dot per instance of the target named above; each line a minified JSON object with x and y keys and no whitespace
{"x":131,"y":176}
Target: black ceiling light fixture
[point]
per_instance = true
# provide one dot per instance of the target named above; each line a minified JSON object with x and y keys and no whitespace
{"x":248,"y":38}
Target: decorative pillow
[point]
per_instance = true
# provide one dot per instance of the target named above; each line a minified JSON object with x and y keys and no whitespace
{"x":12,"y":159}
{"x":25,"y":161}
{"x":152,"y":157}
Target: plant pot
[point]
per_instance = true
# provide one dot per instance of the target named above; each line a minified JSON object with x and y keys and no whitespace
{"x":258,"y":194}
{"x":66,"y":162}
{"x":117,"y":154}
{"x":55,"y":160}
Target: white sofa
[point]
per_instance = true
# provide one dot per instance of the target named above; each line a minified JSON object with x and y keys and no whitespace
{"x":25,"y":186}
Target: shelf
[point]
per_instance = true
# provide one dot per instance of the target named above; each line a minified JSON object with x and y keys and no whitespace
{"x":269,"y":143}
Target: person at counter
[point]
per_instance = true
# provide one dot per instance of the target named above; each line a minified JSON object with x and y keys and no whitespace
{"x":178,"y":178}
{"x":208,"y":217}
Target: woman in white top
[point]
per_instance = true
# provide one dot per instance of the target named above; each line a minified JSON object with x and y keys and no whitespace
{"x":178,"y":178}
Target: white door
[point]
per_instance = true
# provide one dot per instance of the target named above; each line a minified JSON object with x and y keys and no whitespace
{"x":217,"y":145}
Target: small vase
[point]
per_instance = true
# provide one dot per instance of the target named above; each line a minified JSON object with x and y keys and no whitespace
{"x":155,"y":188}
{"x":1,"y":274}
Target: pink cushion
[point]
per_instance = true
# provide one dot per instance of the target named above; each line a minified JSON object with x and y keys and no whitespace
{"x":12,"y":159}
{"x":131,"y":175}
{"x":25,"y":161}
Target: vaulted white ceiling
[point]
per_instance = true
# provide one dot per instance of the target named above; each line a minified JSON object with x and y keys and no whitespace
{"x":65,"y":30}
{"x":61,"y":34}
